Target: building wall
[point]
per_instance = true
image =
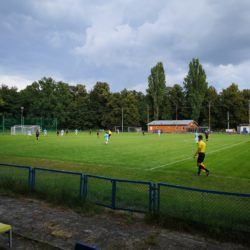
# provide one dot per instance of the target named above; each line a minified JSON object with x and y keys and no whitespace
{"x":172,"y":129}
{"x":243,"y":128}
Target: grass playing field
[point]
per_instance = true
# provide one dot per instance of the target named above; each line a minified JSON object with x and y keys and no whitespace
{"x":166,"y":158}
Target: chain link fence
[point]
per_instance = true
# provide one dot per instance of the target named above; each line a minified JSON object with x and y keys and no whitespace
{"x":57,"y":184}
{"x":213,"y":208}
{"x":15,"y":177}
{"x":6,"y":122}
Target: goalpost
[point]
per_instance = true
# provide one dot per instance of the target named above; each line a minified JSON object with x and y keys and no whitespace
{"x":24,"y":129}
{"x":135,"y":129}
{"x":118,"y":129}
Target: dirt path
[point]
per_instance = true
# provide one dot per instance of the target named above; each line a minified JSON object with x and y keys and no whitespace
{"x":37,"y":225}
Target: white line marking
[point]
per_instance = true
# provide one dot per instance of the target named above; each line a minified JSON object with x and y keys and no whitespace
{"x":217,"y":150}
{"x":171,"y":163}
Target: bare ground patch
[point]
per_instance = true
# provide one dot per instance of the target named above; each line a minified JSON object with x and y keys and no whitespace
{"x":38,"y":225}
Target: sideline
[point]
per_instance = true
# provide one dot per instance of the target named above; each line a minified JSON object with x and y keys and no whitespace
{"x":188,"y":158}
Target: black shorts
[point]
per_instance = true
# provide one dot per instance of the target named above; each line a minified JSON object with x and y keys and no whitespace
{"x":201,"y":157}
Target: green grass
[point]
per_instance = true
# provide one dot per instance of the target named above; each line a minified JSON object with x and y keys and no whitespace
{"x":167,"y":158}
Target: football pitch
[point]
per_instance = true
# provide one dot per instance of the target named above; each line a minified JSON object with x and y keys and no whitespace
{"x":166,"y":158}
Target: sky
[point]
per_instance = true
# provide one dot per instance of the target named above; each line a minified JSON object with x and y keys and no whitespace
{"x":119,"y":41}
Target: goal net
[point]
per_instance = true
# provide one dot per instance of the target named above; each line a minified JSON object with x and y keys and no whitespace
{"x":24,"y":129}
{"x":135,"y":129}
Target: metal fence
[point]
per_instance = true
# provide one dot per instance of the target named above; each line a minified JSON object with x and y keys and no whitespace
{"x":7,"y":121}
{"x":212,"y":208}
{"x":215,"y":208}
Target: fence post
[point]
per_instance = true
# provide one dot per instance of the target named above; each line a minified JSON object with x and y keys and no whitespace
{"x":150,"y":197}
{"x":113,"y":194}
{"x":33,"y":179}
{"x":85,"y":186}
{"x":81,"y":185}
{"x":30,"y":178}
{"x":153,"y":198}
{"x":158,"y":197}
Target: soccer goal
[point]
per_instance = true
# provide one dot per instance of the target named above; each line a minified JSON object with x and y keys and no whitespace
{"x":24,"y":129}
{"x":135,"y":129}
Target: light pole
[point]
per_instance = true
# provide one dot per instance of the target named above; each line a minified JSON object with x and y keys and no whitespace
{"x":248,"y":112}
{"x":209,"y":116}
{"x":147,"y":116}
{"x":176,"y":112}
{"x":22,"y":108}
{"x":122,"y":119}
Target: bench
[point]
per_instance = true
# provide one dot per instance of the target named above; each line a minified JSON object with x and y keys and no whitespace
{"x":81,"y":246}
{"x":4,"y":228}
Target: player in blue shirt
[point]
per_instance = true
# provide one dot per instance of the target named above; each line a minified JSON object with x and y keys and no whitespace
{"x":106,"y":137}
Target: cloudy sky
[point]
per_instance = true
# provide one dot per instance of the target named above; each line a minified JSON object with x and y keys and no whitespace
{"x":118,"y":41}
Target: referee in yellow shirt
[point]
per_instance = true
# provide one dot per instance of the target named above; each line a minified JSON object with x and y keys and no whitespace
{"x":201,"y":156}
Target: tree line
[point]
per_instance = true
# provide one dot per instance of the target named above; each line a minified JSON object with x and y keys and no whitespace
{"x":75,"y":107}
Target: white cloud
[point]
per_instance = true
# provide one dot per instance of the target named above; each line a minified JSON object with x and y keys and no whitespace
{"x":223,"y":75}
{"x":118,"y":41}
{"x":140,"y":87}
{"x":17,"y":81}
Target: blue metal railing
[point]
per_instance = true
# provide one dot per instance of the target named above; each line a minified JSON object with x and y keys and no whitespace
{"x":141,"y":196}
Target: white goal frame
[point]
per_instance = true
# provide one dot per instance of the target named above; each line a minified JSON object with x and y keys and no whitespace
{"x":24,"y":129}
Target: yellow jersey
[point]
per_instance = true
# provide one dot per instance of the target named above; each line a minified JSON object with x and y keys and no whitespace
{"x":202,"y":147}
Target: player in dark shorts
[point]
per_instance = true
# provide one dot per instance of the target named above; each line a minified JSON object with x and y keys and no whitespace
{"x":206,"y":135}
{"x":201,"y":156}
{"x":37,"y":134}
{"x":57,"y":132}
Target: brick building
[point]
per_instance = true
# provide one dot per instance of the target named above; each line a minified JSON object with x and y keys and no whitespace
{"x":172,"y":126}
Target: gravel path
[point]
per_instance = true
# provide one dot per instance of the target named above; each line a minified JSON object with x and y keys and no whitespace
{"x":38,"y":225}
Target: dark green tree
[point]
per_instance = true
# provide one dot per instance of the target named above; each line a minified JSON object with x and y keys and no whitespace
{"x":143,"y":108}
{"x":10,"y":101}
{"x":79,"y":108}
{"x":130,"y":108}
{"x":64,"y":98}
{"x":211,"y":102}
{"x":177,"y":102}
{"x":157,"y":89}
{"x":114,"y":105}
{"x":231,"y":100}
{"x":245,"y":93}
{"x":127,"y":101}
{"x":99,"y":98}
{"x":30,"y":98}
{"x":48,"y":99}
{"x":195,"y":86}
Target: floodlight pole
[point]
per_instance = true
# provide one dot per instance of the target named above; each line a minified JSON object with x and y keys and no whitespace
{"x":122,"y":119}
{"x":3,"y":123}
{"x":147,"y":114}
{"x":248,"y":112}
{"x":56,"y":124}
{"x":22,"y":108}
{"x":176,"y":112}
{"x":209,"y":116}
